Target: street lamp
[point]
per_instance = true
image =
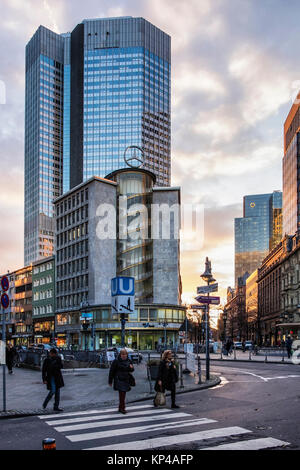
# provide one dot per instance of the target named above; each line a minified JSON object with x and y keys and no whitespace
{"x":164,"y":324}
{"x":84,"y":305}
{"x":207,"y":277}
{"x":224,"y":321}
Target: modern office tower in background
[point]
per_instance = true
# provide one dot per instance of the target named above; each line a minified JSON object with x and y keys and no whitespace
{"x":90,"y":94}
{"x":291,"y":195}
{"x":257,"y":232}
{"x":43,"y":140}
{"x":120,"y":96}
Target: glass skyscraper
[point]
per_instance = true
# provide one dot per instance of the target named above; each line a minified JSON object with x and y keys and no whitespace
{"x":257,"y":232}
{"x":90,"y":94}
{"x":43,"y":140}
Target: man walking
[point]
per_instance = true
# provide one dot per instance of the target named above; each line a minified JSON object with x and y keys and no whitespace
{"x":53,"y":378}
{"x":288,"y":344}
{"x":10,"y":354}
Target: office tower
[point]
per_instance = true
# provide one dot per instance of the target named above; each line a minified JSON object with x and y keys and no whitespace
{"x":120,"y":96}
{"x":91,"y":94}
{"x":257,"y":232}
{"x":290,"y":165}
{"x":43,"y":140}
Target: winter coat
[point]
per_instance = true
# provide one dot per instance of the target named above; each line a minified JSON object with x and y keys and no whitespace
{"x":289,"y":343}
{"x":10,"y":354}
{"x":52,"y":368}
{"x":119,"y":374}
{"x":167,"y":375}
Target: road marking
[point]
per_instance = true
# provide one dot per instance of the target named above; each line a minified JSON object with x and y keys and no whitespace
{"x":176,"y":439}
{"x":255,"y":444}
{"x":104,"y":410}
{"x":251,"y":373}
{"x":104,"y":417}
{"x":139,"y":429}
{"x":119,"y":422}
{"x":284,"y":377}
{"x":224,"y":381}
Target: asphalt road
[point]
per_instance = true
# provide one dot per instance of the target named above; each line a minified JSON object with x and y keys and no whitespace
{"x":253,"y":402}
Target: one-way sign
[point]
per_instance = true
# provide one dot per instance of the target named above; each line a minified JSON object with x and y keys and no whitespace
{"x":208,"y":300}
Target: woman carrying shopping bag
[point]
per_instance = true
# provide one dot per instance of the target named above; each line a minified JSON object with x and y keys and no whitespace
{"x":166,"y":378}
{"x":120,"y":376}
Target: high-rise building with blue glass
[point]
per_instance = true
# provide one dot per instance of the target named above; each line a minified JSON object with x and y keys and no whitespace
{"x":257,"y":232}
{"x":91,"y":94}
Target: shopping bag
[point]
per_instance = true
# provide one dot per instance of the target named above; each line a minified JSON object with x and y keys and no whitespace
{"x":160,"y":399}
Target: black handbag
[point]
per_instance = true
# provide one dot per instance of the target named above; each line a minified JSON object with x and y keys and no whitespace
{"x":131,"y":380}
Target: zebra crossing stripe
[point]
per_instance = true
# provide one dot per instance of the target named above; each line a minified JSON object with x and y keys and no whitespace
{"x":108,"y":416}
{"x":254,"y":444}
{"x":176,"y":439}
{"x":139,"y":429}
{"x":119,"y":422}
{"x":89,"y":412}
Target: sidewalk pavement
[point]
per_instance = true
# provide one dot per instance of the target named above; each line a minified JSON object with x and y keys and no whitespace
{"x":240,"y":356}
{"x":84,"y":389}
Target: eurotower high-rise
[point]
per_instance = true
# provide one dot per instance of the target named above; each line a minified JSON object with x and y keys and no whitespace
{"x":91,"y":94}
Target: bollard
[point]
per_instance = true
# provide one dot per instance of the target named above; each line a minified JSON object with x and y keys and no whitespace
{"x":250,"y":358}
{"x":282,"y":360}
{"x":199,"y":371}
{"x":234,"y":355}
{"x":181,"y":376}
{"x":149,"y":378}
{"x":221,"y":354}
{"x":266,"y":358}
{"x":49,"y":444}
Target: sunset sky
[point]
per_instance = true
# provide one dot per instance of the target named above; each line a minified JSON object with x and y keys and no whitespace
{"x":235,"y":72}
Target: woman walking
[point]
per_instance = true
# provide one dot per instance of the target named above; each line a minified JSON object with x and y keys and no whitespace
{"x":53,"y":378}
{"x":167,"y":376}
{"x":120,"y":375}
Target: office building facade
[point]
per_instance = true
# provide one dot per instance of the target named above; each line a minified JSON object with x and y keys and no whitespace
{"x":91,"y":94}
{"x":257,"y":232}
{"x":290,"y":171}
{"x":87,"y":260}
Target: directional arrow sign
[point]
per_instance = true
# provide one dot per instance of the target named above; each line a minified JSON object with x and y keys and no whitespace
{"x":208,"y":300}
{"x":207,"y":289}
{"x":197,"y":307}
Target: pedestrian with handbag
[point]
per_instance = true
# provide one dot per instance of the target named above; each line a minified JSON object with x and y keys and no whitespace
{"x":120,"y":375}
{"x":167,"y":377}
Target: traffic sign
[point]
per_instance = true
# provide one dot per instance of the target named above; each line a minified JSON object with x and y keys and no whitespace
{"x":122,"y":295}
{"x":4,"y":283}
{"x":207,"y":289}
{"x":4,"y":301}
{"x":197,"y":307}
{"x":208,"y":300}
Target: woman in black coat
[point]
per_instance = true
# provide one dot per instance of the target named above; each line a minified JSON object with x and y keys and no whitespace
{"x":119,"y":374}
{"x":167,"y":376}
{"x":53,"y":378}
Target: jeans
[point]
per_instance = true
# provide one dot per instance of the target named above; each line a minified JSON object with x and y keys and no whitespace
{"x":54,"y":391}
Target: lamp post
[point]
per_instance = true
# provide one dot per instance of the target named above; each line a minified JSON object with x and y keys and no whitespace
{"x":224,"y":321}
{"x":164,"y":324}
{"x":84,"y":305}
{"x":207,"y":277}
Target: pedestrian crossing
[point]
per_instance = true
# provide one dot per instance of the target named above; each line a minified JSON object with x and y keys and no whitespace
{"x":149,"y":428}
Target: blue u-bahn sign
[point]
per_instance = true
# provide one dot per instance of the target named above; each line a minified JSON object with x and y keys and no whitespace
{"x":122,"y":294}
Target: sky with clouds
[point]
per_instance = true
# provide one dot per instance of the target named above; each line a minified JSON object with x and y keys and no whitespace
{"x":235,"y":70}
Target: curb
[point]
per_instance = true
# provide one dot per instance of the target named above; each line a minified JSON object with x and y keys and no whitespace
{"x":13,"y":414}
{"x":235,"y":361}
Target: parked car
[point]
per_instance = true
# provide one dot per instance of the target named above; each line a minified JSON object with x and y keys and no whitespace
{"x":249,"y":345}
{"x":134,"y":356}
{"x":237,"y":345}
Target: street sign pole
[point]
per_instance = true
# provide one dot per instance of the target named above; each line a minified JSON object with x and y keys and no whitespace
{"x":123,"y":323}
{"x":207,"y":340}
